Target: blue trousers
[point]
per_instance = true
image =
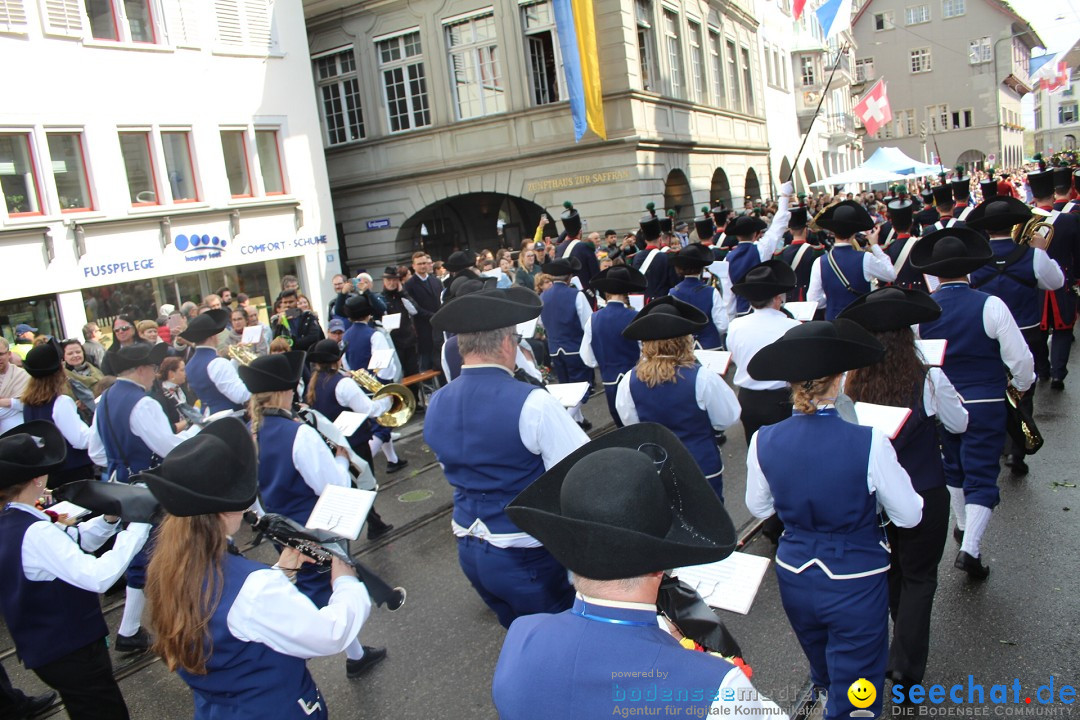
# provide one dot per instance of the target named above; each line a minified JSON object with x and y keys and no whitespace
{"x":515,"y":581}
{"x":843,"y":627}
{"x":973,"y":459}
{"x":571,"y":369}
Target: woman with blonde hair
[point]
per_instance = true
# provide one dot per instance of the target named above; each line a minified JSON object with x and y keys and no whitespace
{"x":669,"y":387}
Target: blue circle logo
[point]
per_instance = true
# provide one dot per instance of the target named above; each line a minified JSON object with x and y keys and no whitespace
{"x":181,"y":242}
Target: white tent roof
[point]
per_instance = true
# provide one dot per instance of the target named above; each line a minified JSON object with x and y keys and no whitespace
{"x":860,"y":174}
{"x":893,"y":159}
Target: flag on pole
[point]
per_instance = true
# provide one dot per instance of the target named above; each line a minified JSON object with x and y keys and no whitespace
{"x":1058,"y":79}
{"x":798,"y":8}
{"x":873,"y":108}
{"x":574,"y":21}
{"x":834,"y":16}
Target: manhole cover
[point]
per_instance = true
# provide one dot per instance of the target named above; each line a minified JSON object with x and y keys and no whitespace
{"x":415,"y":496}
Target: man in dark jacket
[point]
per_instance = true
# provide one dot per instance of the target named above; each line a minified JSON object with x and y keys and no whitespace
{"x":399,"y":303}
{"x":426,"y":291}
{"x":300,"y":326}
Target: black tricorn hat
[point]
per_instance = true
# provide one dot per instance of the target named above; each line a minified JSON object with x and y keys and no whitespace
{"x":459,"y":260}
{"x":650,"y":224}
{"x":30,"y":450}
{"x":798,"y":219}
{"x":561,"y":267}
{"x":951,"y":252}
{"x":1062,"y":179}
{"x":487,"y":310}
{"x":943,"y":194}
{"x":628,"y":503}
{"x":989,"y":188}
{"x":137,"y":355}
{"x":745,"y":225}
{"x":999,"y":212}
{"x":704,"y":227}
{"x":208,"y":324}
{"x":357,"y":307}
{"x":132,"y":503}
{"x":1041,"y":183}
{"x":43,"y":360}
{"x":619,"y":280}
{"x":891,"y":308}
{"x":212,"y":472}
{"x":844,"y":219}
{"x":663,"y":318}
{"x":765,"y":281}
{"x":571,"y":221}
{"x":900,"y":213}
{"x":468,"y":283}
{"x":324,"y":351}
{"x":816,"y":349}
{"x":273,"y":373}
{"x":694,"y":256}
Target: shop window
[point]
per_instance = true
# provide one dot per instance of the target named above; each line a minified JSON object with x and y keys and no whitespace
{"x":18,"y":176}
{"x":179,"y":166}
{"x":266,"y":145}
{"x":234,"y":148}
{"x":40,"y":312}
{"x":69,"y":172}
{"x":139,"y":165}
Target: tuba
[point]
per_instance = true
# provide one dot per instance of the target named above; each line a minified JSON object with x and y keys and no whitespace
{"x":241,"y":354}
{"x":1023,"y":233}
{"x":404,"y":401}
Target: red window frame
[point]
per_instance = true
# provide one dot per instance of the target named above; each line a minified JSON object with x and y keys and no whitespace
{"x":27,"y":138}
{"x":190,"y":163}
{"x":153,"y":29}
{"x":153,"y":170}
{"x":247,"y":164}
{"x":85,"y":172}
{"x":277,"y":154}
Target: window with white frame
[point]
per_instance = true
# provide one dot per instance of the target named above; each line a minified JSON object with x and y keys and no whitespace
{"x":673,"y":47}
{"x":542,"y":51}
{"x":748,"y":80}
{"x":19,"y":178}
{"x":735,"y":99}
{"x":646,"y":44}
{"x":179,"y":165}
{"x":961,"y":119}
{"x":697,"y":62}
{"x":938,"y":117}
{"x":979,"y":50}
{"x":864,"y":69}
{"x":69,"y":172}
{"x":244,"y":25}
{"x":339,"y":95}
{"x":920,"y":60}
{"x":137,"y":151}
{"x":917,"y":14}
{"x":1067,"y":113}
{"x":716,"y":59}
{"x":809,"y":75}
{"x":404,"y":82}
{"x":885,"y":132}
{"x":475,"y":77}
{"x":904,"y":122}
{"x":952,"y":8}
{"x":884,"y":21}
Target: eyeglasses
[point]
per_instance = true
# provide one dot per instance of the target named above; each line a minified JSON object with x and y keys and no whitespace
{"x":517,"y":338}
{"x":122,"y":328}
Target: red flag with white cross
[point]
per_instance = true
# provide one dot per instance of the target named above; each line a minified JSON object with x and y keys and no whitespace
{"x":873,"y":109}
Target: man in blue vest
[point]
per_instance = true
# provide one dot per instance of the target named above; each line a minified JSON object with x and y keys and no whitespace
{"x":945,"y":205}
{"x":690,"y":263}
{"x":844,"y":272}
{"x":565,"y":314}
{"x":572,"y":246}
{"x":360,"y":337}
{"x":652,"y":259}
{"x":603,"y":345}
{"x":758,"y":242}
{"x":961,"y":191}
{"x":493,"y":435}
{"x":618,"y":513}
{"x":983,"y":343}
{"x":213,"y":378}
{"x":1019,"y":275}
{"x":899,"y":250}
{"x":800,"y":254}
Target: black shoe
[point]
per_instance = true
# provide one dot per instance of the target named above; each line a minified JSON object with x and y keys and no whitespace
{"x":394,"y":467}
{"x":374,"y":532}
{"x":585,"y":425}
{"x":36,"y":705}
{"x":972,"y":566}
{"x":958,"y":535}
{"x":139,"y":642}
{"x":1057,"y":384}
{"x":372,"y":657}
{"x":1016,"y":462}
{"x":721,"y":438}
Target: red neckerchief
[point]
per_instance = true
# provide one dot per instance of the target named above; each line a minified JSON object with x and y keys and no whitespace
{"x":902,"y":236}
{"x":1048,"y":208}
{"x":650,"y":246}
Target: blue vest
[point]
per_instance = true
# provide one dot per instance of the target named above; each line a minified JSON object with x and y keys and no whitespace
{"x":918,"y":447}
{"x":282,"y":489}
{"x":46,"y":619}
{"x":127,"y":454}
{"x":908,"y":277}
{"x":657,"y":276}
{"x":472,"y":425}
{"x":248,"y":680}
{"x":674,"y":405}
{"x":692,"y":290}
{"x":972,"y":358}
{"x":560,"y":666}
{"x":75,"y":458}
{"x":453,"y":357}
{"x":1017,"y":285}
{"x":614,"y":354}
{"x":827,"y":510}
{"x":199,"y":379}
{"x":357,"y":341}
{"x":560,"y":318}
{"x":838,"y":297}
{"x":327,"y":404}
{"x":741,"y":259}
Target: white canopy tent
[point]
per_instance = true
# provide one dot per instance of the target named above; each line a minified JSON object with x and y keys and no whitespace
{"x":893,"y":159}
{"x":861,"y":174}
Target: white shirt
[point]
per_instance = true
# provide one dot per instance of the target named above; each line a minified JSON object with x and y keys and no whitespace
{"x":65,"y":416}
{"x":348,"y":394}
{"x":711,"y":392}
{"x":767,"y":246}
{"x":12,"y":416}
{"x":940,"y":398}
{"x":750,"y":333}
{"x":520,"y":361}
{"x":316,"y":464}
{"x":223,"y":374}
{"x":876,"y":264}
{"x":51,"y":551}
{"x":147,"y":421}
{"x":270,"y":610}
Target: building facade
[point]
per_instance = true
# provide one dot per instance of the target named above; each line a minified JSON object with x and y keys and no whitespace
{"x":1057,"y":121}
{"x":446,"y":123}
{"x":955,"y":71}
{"x":182,"y":154}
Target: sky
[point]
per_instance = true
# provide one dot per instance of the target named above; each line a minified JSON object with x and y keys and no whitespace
{"x":1058,"y":24}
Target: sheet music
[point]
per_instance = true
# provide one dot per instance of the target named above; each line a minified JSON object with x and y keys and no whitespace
{"x":731,"y":584}
{"x":715,"y":360}
{"x":637,"y":301}
{"x":802,"y":311}
{"x":576,"y":282}
{"x":252,"y":335}
{"x":380,"y":358}
{"x":341,"y":510}
{"x":349,"y":422}
{"x":569,"y":394}
{"x":528,"y":328}
{"x":889,"y":420}
{"x":73,"y":511}
{"x":391,"y":321}
{"x":933,"y":351}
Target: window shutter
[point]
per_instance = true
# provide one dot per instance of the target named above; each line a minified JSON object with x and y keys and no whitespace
{"x":257,"y":22}
{"x":12,"y":16}
{"x":183,"y":22}
{"x":62,"y":17}
{"x":229,"y":29}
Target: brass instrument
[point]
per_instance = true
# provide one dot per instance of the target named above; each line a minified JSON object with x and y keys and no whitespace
{"x":241,"y":354}
{"x":1023,"y":233}
{"x":1020,"y":424}
{"x":404,"y":401}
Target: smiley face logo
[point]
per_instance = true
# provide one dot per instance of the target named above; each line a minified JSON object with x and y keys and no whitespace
{"x":862,"y":693}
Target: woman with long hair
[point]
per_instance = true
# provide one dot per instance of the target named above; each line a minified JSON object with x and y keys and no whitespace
{"x":902,"y":378}
{"x":826,"y":477}
{"x":237,"y":632}
{"x":168,"y":390}
{"x":669,"y":387}
{"x":124,"y":335}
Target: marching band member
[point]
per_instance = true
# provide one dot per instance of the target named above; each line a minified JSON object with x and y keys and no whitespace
{"x":689,"y":264}
{"x":667,"y":385}
{"x":945,"y":206}
{"x":981,"y":335}
{"x":899,"y":250}
{"x":603,"y":344}
{"x":901,"y":379}
{"x":799,"y":254}
{"x":652,"y":261}
{"x":928,"y":215}
{"x":493,"y":435}
{"x":961,"y":191}
{"x":572,"y":247}
{"x":295,"y":466}
{"x":565,"y":314}
{"x":757,"y":242}
{"x":237,"y":632}
{"x":50,"y":584}
{"x":618,"y":518}
{"x":844,"y":272}
{"x":362,"y":340}
{"x":832,"y":559}
{"x":213,"y":378}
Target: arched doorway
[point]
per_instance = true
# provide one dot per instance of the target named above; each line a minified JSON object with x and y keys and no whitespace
{"x":1069,"y":142}
{"x":720,"y":191}
{"x":811,"y":176}
{"x":677,"y":195}
{"x":752,"y":189}
{"x":474,"y":221}
{"x":785,"y":171}
{"x":972,"y":159}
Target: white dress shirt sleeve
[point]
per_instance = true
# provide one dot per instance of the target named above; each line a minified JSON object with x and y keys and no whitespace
{"x":525,"y":364}
{"x":270,"y":610}
{"x":999,"y":324}
{"x":725,"y":288}
{"x":224,"y":376}
{"x":759,"y":498}
{"x":584,"y":311}
{"x":719,"y":312}
{"x":1048,"y":273}
{"x":587,"y":356}
{"x":316,"y":464}
{"x":65,"y":416}
{"x":93,"y":533}
{"x":149,"y":422}
{"x":940,"y":398}
{"x":715,"y":397}
{"x":815,"y":292}
{"x":876,"y":264}
{"x":349,"y":394}
{"x":96,"y":448}
{"x":48,"y":553}
{"x":546,"y":428}
{"x":774,"y":236}
{"x":890,"y":481}
{"x":624,"y":402}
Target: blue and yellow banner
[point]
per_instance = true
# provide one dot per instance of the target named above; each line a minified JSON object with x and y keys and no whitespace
{"x":576,"y":26}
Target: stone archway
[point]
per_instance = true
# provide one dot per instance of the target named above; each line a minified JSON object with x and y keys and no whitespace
{"x":752,"y":188}
{"x":785,"y":171}
{"x":720,"y":190}
{"x":972,"y":159}
{"x":678,"y":196}
{"x":808,"y":171}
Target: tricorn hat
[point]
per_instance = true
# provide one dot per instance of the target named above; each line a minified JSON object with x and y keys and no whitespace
{"x":487,"y":310}
{"x":745,"y":225}
{"x":900,"y":213}
{"x":765,"y":281}
{"x":650,"y":224}
{"x":273,"y":373}
{"x":468,"y":283}
{"x":998,"y":212}
{"x":324,"y":351}
{"x":798,"y":219}
{"x":43,"y":360}
{"x":943,"y":194}
{"x":137,"y":355}
{"x":561,"y":267}
{"x":619,"y":280}
{"x":693,"y":258}
{"x":571,"y":221}
{"x":844,"y":219}
{"x":208,"y":324}
{"x":663,"y":318}
{"x":212,"y":472}
{"x":951,"y":252}
{"x":816,"y":349}
{"x":891,"y":308}
{"x":132,"y":503}
{"x":30,"y":450}
{"x":629,"y":503}
{"x":357,"y":307}
{"x":459,"y":260}
{"x":1041,"y":183}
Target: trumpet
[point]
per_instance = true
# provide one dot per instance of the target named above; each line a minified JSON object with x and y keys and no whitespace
{"x":404,"y":401}
{"x":1024,"y":233}
{"x":241,"y":354}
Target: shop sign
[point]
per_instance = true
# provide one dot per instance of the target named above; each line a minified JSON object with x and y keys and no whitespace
{"x":378,"y":224}
{"x":118,"y":268}
{"x":283,"y":247}
{"x":197,"y":248}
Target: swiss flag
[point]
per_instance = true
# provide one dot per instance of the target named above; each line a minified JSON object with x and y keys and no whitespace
{"x":1059,"y":81}
{"x":873,"y":109}
{"x":798,"y":8}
